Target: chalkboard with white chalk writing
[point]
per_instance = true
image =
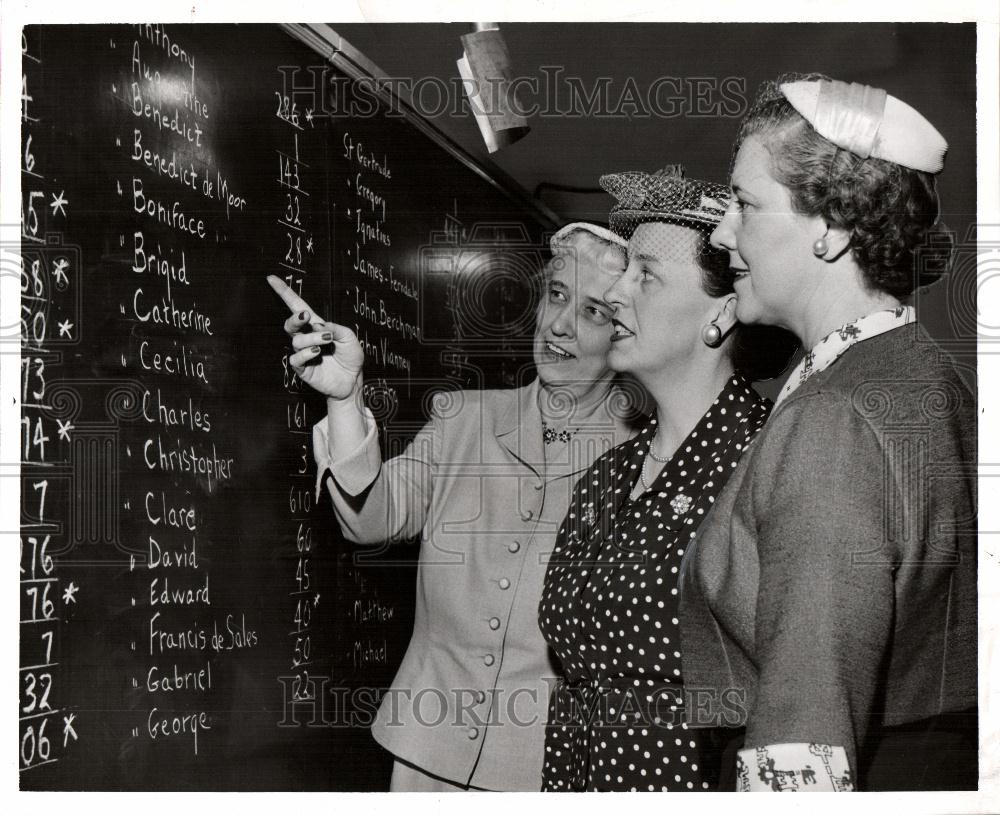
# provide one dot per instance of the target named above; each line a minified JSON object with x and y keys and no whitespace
{"x":190,"y":618}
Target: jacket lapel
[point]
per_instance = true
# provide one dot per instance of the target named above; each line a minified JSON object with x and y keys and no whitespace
{"x":518,"y":426}
{"x":603,"y":431}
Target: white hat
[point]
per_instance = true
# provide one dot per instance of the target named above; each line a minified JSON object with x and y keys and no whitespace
{"x":868,"y":122}
{"x":601,"y":232}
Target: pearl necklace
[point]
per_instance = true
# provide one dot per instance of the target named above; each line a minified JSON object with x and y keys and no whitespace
{"x":650,"y":455}
{"x":642,"y":474}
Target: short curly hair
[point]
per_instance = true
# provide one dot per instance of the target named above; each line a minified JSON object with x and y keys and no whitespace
{"x":758,"y":352}
{"x":542,"y":275}
{"x":890,"y":212}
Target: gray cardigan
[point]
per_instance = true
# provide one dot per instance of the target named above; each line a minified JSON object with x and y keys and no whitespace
{"x":833,"y":586}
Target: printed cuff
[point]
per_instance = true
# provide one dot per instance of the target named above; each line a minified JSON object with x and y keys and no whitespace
{"x":798,"y":767}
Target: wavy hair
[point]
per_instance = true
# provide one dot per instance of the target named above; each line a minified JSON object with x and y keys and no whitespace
{"x":891,"y":213}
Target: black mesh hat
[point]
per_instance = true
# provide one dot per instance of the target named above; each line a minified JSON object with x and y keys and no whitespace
{"x":664,"y":196}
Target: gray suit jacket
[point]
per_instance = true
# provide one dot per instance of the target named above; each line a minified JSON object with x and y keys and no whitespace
{"x":833,"y":586}
{"x":474,"y":485}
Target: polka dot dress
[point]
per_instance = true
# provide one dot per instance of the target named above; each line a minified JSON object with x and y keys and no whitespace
{"x":609,"y":610}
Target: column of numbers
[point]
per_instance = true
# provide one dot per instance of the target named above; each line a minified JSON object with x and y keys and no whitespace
{"x":295,"y":251}
{"x":45,"y":730}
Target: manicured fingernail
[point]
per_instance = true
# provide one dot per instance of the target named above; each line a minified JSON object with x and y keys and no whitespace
{"x":316,"y":349}
{"x":328,"y":337}
{"x":303,"y":315}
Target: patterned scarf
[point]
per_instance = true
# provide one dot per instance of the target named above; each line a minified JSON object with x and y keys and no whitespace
{"x":829,"y":349}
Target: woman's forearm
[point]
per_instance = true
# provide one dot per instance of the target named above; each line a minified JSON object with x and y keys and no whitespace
{"x":346,"y":423}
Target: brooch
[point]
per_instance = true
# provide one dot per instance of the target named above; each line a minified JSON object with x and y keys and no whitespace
{"x":550,"y":435}
{"x":681,"y":503}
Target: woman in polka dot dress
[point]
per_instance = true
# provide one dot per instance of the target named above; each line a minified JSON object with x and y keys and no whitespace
{"x":609,"y":606}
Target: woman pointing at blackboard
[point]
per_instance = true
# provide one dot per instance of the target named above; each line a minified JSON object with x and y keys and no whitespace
{"x":485,"y":483}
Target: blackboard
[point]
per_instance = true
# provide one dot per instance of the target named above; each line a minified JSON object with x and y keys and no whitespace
{"x":190,"y":618}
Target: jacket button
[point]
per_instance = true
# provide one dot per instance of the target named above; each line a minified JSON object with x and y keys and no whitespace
{"x":504,"y":583}
{"x":513,"y":547}
{"x":494,"y":624}
{"x":480,"y":697}
{"x":472,"y":732}
{"x":489,"y":659}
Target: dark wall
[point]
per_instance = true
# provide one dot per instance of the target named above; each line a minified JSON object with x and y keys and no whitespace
{"x":931,"y":66}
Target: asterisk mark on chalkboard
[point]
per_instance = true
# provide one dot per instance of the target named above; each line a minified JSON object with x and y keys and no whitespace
{"x":64,"y":328}
{"x":59,"y":203}
{"x":68,"y":728}
{"x":69,"y":594}
{"x":316,"y":599}
{"x":309,"y":117}
{"x":59,"y":271}
{"x":309,"y":244}
{"x":64,"y":428}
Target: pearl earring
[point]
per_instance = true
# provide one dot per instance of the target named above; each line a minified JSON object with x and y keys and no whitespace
{"x":820,"y":247}
{"x":711,"y":335}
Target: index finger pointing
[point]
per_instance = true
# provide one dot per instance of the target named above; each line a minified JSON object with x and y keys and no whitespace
{"x":292,"y":300}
